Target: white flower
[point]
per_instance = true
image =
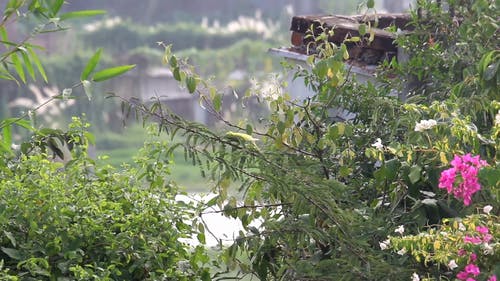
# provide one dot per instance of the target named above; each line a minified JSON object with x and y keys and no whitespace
{"x":488,"y":249}
{"x":425,"y":125}
{"x":378,"y":144}
{"x":414,"y":277}
{"x":461,"y":227}
{"x":400,"y":229}
{"x":384,"y":244}
{"x":452,"y":265}
{"x":497,"y":118}
{"x":402,"y":252}
{"x":487,"y":209}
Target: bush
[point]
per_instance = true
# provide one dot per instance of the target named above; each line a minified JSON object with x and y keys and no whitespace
{"x":84,"y":222}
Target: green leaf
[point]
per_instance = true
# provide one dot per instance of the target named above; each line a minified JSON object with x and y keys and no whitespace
{"x":38,"y":64}
{"x":7,"y":136}
{"x":11,"y":237}
{"x":109,"y":73}
{"x":177,"y":74}
{"x":345,"y":53}
{"x":4,"y":36}
{"x":91,"y":64}
{"x":20,"y":122}
{"x":56,"y":6}
{"x":414,"y":174}
{"x":217,"y":102}
{"x":19,"y":67}
{"x":12,"y":253}
{"x":370,"y":4}
{"x":27,"y":63}
{"x":80,"y":14}
{"x":191,"y":84}
{"x":362,"y":29}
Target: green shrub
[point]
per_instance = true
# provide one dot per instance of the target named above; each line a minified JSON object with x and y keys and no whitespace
{"x":82,"y":222}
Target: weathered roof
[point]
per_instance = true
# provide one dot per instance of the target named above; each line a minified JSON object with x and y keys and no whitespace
{"x":381,"y":47}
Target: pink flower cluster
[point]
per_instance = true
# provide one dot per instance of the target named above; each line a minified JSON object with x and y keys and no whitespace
{"x":461,"y":179}
{"x":469,"y":271}
{"x":485,"y":236}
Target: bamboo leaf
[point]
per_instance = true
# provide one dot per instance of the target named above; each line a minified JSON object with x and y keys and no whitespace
{"x":38,"y":64}
{"x":109,"y":73}
{"x":81,"y":14}
{"x":5,"y":37}
{"x":56,"y":6}
{"x":7,"y":137}
{"x":19,"y":67}
{"x":91,"y":64}
{"x":27,"y":63}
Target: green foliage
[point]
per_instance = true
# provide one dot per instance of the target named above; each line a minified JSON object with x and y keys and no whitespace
{"x":326,"y":191}
{"x":84,"y":222}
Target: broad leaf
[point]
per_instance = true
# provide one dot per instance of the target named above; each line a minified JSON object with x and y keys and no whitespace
{"x":12,"y":253}
{"x":109,"y":73}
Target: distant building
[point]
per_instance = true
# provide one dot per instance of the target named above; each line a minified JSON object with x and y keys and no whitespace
{"x":157,"y":83}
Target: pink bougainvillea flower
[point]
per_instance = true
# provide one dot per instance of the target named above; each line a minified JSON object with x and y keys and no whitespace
{"x":462,"y":252}
{"x":482,"y":229}
{"x":472,"y":269}
{"x":470,"y":279}
{"x":461,"y":179}
{"x":492,"y":278}
{"x":472,"y":239}
{"x":473,"y":257}
{"x":462,"y":275}
{"x":487,"y":237}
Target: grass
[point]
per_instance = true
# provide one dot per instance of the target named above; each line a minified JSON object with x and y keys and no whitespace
{"x":122,"y":147}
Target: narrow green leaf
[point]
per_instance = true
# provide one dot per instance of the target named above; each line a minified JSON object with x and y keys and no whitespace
{"x":28,"y":64}
{"x":56,"y":6}
{"x":80,"y":14}
{"x":109,"y":73}
{"x":91,"y":64}
{"x":38,"y":64}
{"x":19,"y":67}
{"x":7,"y":137}
{"x":34,"y":6}
{"x":5,"y":37}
